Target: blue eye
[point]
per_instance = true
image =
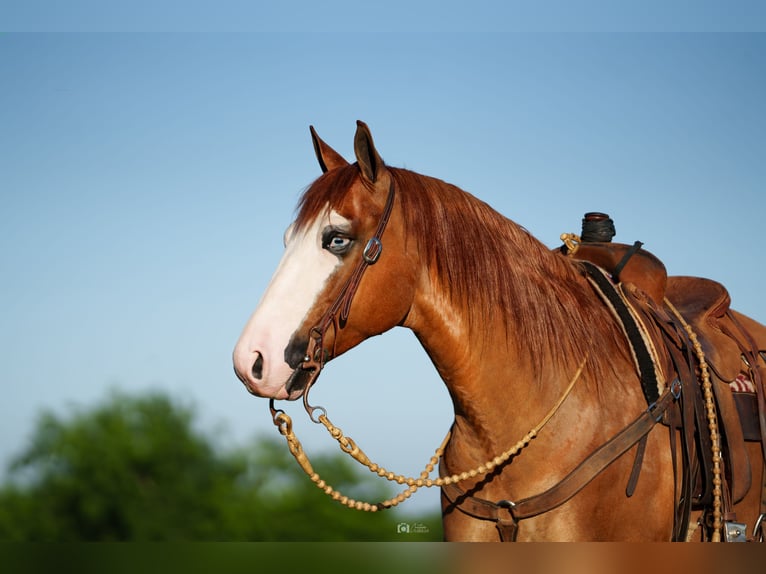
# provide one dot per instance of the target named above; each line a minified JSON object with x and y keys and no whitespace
{"x":339,"y":244}
{"x":336,"y":242}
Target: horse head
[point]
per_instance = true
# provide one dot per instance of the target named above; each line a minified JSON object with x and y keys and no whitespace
{"x":332,"y":288}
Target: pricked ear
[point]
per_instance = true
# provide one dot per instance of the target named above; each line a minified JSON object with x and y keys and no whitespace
{"x":370,"y":163}
{"x":327,"y":157}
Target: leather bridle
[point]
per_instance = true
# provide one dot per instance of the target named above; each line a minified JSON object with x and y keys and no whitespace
{"x":337,"y":315}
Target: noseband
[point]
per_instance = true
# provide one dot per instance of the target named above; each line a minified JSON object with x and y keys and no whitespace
{"x":337,"y":315}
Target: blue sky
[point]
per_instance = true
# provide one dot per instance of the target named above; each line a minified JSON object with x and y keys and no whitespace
{"x":416,"y":16}
{"x":147,"y":180}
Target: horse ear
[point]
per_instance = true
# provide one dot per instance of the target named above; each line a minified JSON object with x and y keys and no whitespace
{"x":370,"y":163}
{"x":327,"y":157}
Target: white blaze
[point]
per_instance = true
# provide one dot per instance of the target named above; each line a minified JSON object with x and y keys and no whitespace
{"x":299,"y":278}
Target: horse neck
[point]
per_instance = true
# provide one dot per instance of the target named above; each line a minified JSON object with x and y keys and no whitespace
{"x":500,"y":388}
{"x":481,"y":378}
{"x":505,"y":320}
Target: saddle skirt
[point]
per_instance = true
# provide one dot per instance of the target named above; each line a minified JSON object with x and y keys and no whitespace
{"x":734,"y":346}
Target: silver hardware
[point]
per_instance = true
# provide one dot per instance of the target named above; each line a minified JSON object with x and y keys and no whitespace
{"x":675,"y":388}
{"x":757,"y":532}
{"x":372,"y":250}
{"x":735,"y":531}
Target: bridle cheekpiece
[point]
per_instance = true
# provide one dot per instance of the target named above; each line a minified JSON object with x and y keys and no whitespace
{"x":337,"y":315}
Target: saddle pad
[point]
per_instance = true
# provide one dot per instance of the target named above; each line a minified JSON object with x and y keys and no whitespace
{"x":741,"y":384}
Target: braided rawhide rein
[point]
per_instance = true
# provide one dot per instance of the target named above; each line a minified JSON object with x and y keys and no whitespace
{"x":284,"y":423}
{"x":715,"y":437}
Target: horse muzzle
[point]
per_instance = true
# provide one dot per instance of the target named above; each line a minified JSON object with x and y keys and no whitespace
{"x":267,"y":379}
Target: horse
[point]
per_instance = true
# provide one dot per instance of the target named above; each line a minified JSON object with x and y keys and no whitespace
{"x":522,"y":339}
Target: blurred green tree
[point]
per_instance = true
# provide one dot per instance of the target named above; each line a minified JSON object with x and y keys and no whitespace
{"x":137,"y":469}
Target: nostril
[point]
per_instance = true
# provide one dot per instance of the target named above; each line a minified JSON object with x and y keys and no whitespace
{"x":295,"y":353}
{"x":257,"y":369}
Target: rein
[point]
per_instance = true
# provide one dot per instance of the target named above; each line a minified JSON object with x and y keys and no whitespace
{"x":284,"y":423}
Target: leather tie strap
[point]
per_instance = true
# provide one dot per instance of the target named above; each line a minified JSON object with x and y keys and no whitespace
{"x":624,"y":261}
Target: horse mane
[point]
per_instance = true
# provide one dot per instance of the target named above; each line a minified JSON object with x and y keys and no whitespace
{"x":486,"y":263}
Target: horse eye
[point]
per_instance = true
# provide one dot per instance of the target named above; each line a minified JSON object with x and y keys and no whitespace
{"x":337,"y":244}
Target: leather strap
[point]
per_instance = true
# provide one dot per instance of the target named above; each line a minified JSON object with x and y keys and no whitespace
{"x":595,"y":463}
{"x":637,"y":463}
{"x":755,"y":358}
{"x":624,"y":261}
{"x":337,"y":315}
{"x":687,"y":418}
{"x":571,"y":484}
{"x":759,"y":530}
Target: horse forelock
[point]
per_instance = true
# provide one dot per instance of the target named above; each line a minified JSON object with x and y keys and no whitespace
{"x":484,"y":262}
{"x":326,"y":192}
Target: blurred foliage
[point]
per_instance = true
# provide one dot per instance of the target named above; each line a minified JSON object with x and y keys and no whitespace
{"x":137,"y":469}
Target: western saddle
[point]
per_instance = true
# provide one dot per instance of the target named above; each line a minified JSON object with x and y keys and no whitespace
{"x":669,"y":309}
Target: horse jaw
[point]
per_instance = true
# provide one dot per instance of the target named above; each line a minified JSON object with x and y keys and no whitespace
{"x":259,"y":355}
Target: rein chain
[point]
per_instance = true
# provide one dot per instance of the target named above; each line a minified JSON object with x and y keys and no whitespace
{"x":284,"y":423}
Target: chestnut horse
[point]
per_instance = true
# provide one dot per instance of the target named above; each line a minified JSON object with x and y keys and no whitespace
{"x":516,"y":331}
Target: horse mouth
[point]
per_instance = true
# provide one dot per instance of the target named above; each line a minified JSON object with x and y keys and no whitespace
{"x":297,"y":383}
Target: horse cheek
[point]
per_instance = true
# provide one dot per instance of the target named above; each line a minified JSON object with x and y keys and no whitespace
{"x":391,"y":297}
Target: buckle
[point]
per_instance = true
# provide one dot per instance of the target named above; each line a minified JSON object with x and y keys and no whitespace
{"x":372,"y":250}
{"x":675,"y":388}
